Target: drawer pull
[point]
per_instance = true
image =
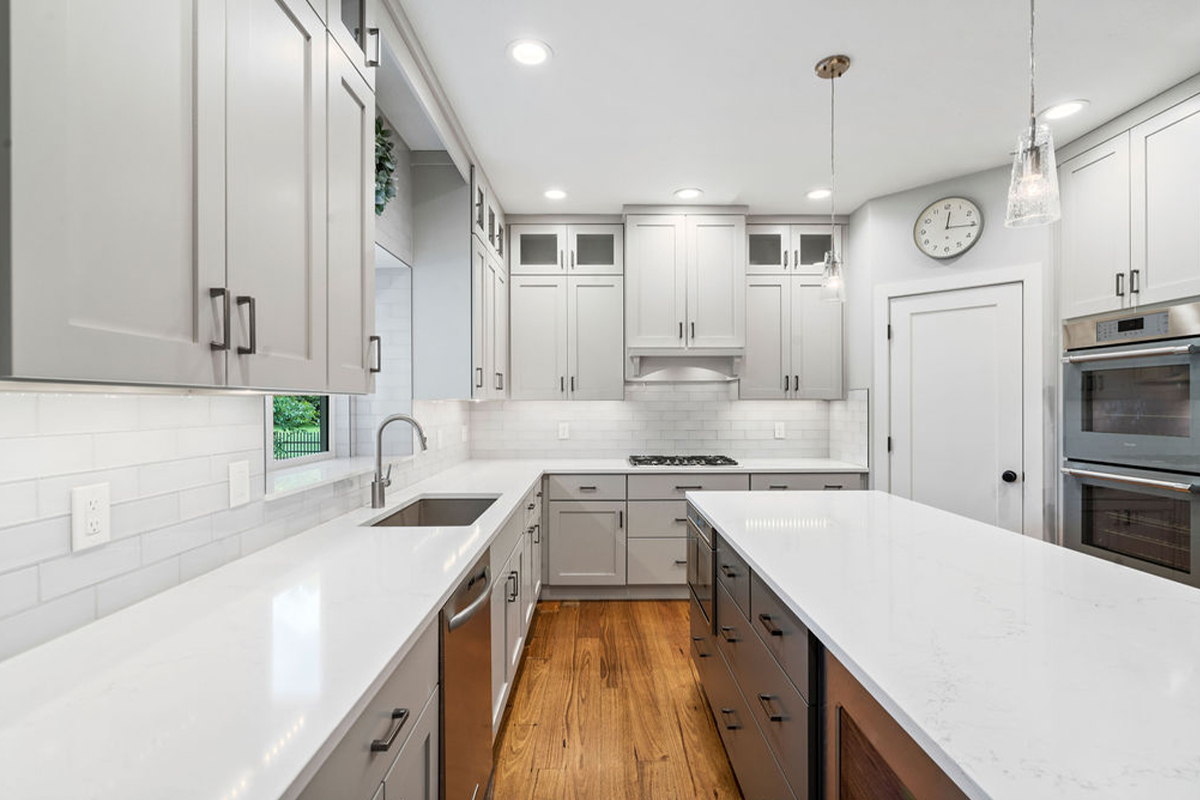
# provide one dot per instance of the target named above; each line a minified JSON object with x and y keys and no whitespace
{"x":768,"y":623}
{"x":399,"y":717}
{"x":688,"y":488}
{"x":775,"y":487}
{"x":587,"y":488}
{"x":699,"y":652}
{"x":537,"y":533}
{"x":831,"y":486}
{"x":729,"y":713}
{"x":681,"y":520}
{"x":728,"y":571}
{"x":681,"y":562}
{"x":774,"y":716}
{"x":726,"y":631}
{"x":531,"y":507}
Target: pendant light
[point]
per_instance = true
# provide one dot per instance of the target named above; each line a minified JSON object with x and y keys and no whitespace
{"x":1033,"y":190}
{"x":833,"y":288}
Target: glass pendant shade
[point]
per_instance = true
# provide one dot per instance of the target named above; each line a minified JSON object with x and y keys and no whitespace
{"x":833,"y":288}
{"x":1033,"y":190}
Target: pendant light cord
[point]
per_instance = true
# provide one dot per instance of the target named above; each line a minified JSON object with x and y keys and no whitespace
{"x":1032,"y":63}
{"x":832,"y":171}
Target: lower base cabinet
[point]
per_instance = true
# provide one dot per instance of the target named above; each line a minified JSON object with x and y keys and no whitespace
{"x":414,"y":776}
{"x":516,"y":585}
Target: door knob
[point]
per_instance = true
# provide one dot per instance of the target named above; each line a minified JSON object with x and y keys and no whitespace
{"x":1008,"y":476}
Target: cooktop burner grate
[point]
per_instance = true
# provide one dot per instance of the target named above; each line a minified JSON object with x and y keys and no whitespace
{"x":682,"y":461}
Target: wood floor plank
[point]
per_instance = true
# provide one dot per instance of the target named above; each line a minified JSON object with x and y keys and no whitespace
{"x":610,"y":708}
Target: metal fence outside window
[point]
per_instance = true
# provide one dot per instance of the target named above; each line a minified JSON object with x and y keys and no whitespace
{"x":298,"y":443}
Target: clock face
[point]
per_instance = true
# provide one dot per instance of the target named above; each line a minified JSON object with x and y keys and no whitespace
{"x":948,"y":227}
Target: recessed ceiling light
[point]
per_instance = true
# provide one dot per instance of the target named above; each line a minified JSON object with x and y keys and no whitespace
{"x":530,"y":52}
{"x":690,"y":193}
{"x":1064,"y":109}
{"x":555,"y":194}
{"x":818,"y":194}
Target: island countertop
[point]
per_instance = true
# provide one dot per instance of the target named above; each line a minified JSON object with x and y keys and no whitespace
{"x":1023,"y":669}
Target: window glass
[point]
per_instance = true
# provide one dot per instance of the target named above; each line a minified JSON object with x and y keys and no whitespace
{"x":301,"y":426}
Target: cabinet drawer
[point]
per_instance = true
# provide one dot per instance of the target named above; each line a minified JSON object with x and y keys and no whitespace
{"x":505,"y":542}
{"x":733,"y":631}
{"x":674,"y":486}
{"x":785,"y":637}
{"x":414,"y":775}
{"x":657,"y":561}
{"x":353,"y":769}
{"x":657,"y":519}
{"x":532,"y":505}
{"x":734,"y":575}
{"x":806,"y":481}
{"x":704,"y":649}
{"x":587,"y":487}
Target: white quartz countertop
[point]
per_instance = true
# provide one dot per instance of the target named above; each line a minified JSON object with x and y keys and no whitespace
{"x":747,"y":465}
{"x":1023,"y":669}
{"x":229,"y":686}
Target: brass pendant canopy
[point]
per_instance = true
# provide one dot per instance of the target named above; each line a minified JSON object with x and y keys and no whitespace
{"x":832,"y":66}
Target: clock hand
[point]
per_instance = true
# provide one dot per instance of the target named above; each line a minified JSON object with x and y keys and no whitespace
{"x":947,"y":220}
{"x":967,"y":225}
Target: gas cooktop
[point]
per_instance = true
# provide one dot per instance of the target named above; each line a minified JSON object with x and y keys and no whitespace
{"x":682,"y":461}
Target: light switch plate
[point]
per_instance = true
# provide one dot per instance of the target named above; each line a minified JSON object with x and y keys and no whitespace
{"x":239,"y":483}
{"x":564,"y":430}
{"x":780,"y":431}
{"x":91,"y":522}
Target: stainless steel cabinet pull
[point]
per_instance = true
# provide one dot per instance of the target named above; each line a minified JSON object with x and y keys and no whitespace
{"x":499,"y":381}
{"x":699,"y":652}
{"x":572,"y":259}
{"x":732,"y":726}
{"x":378,"y":353}
{"x":785,"y":255}
{"x":560,"y":258}
{"x":247,"y":300}
{"x":399,"y":717}
{"x":729,"y":633}
{"x":460,"y":619}
{"x":222,"y":293}
{"x":769,"y":623}
{"x":479,"y":377}
{"x":373,"y":61}
{"x":1120,"y":284}
{"x":765,"y":700}
{"x":1133,"y":480}
{"x":1176,"y":350}
{"x":1135,"y":282}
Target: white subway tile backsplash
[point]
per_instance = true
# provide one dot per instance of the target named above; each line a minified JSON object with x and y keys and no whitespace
{"x":54,"y":494}
{"x":42,"y":456}
{"x":203,"y":500}
{"x":206,"y":558}
{"x":146,"y":514}
{"x":88,"y":567}
{"x":116,"y":593}
{"x":45,"y":621}
{"x":170,"y":541}
{"x":28,"y":544}
{"x":135,"y":447}
{"x":18,"y":503}
{"x":85,"y":413}
{"x":18,"y":414}
{"x":172,"y":476}
{"x":18,"y":591}
{"x":173,"y":411}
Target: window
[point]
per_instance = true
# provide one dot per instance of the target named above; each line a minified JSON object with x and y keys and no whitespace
{"x":301,"y":427}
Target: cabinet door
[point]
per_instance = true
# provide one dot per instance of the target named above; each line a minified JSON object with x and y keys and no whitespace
{"x":500,"y":587}
{"x":483,"y":292}
{"x":1165,"y":164}
{"x":587,"y":543}
{"x":528,"y":598}
{"x":352,"y":25}
{"x":766,"y":369}
{"x":816,"y":333}
{"x":351,"y":225}
{"x":117,"y":190}
{"x":1094,"y":236}
{"x":414,"y":775}
{"x":810,"y":243}
{"x":656,"y":277}
{"x":537,"y":249}
{"x":768,"y":249}
{"x":536,"y":564}
{"x":499,"y":330}
{"x":716,"y":281}
{"x":514,"y":610}
{"x":276,"y":194}
{"x":595,"y":250}
{"x":595,"y":350}
{"x":539,"y":338}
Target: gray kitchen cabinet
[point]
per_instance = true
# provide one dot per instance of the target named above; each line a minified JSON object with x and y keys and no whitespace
{"x":716,"y":281}
{"x":489,"y":324}
{"x":514,"y":610}
{"x":789,"y":249}
{"x":587,"y":543}
{"x":595,"y":345}
{"x":793,"y":340}
{"x":528,"y":581}
{"x":538,"y":308}
{"x":487,"y":218}
{"x":560,"y":249}
{"x":806,"y":481}
{"x":414,"y":774}
{"x":511,"y":611}
{"x":499,"y":644}
{"x":353,"y":26}
{"x":656,"y":561}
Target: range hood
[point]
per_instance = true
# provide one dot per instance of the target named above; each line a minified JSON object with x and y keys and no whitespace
{"x":668,"y":365}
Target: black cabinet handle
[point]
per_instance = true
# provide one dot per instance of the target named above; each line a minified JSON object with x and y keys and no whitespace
{"x":688,"y":488}
{"x":587,"y":488}
{"x":247,"y":300}
{"x":1135,"y":285}
{"x":479,"y":377}
{"x":399,"y":717}
{"x":681,"y":330}
{"x":728,"y":571}
{"x":537,"y":533}
{"x":572,"y":383}
{"x":765,"y":701}
{"x":729,"y":713}
{"x":562,"y":383}
{"x":620,"y":520}
{"x":378,"y":353}
{"x":776,"y":487}
{"x":681,"y":520}
{"x":515,"y":577}
{"x":785,"y":383}
{"x":1120,"y":284}
{"x":832,"y":487}
{"x":223,"y":293}
{"x":1008,"y":476}
{"x":729,"y":634}
{"x":681,"y":562}
{"x":769,"y":624}
{"x":693,"y":330}
{"x":699,"y":652}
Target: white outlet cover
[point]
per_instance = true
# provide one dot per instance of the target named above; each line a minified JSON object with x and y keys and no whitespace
{"x":564,"y":430}
{"x":780,"y":432}
{"x":91,"y":519}
{"x":239,"y":483}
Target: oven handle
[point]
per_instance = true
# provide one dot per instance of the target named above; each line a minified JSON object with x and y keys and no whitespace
{"x":1172,"y":486}
{"x":1178,"y":350}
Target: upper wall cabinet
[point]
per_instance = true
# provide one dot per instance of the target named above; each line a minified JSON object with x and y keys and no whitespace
{"x":487,"y":218}
{"x":793,"y":340}
{"x":566,"y":249}
{"x":489,"y":324}
{"x":789,"y":249}
{"x":1165,"y":232}
{"x":685,"y":278}
{"x":192,"y":246}
{"x":352,"y":24}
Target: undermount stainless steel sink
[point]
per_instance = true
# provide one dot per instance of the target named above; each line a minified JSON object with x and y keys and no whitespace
{"x":432,"y":512}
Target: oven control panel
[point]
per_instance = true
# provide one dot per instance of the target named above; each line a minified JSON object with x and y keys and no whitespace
{"x":1147,"y":326}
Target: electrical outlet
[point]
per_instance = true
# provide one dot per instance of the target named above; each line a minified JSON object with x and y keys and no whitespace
{"x":564,"y":430}
{"x":239,"y":483}
{"x":780,"y":433}
{"x":90,"y":516}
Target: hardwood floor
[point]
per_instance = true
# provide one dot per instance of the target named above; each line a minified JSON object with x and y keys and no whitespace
{"x":608,"y":706}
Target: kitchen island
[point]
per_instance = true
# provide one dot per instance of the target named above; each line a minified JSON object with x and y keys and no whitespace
{"x":1022,"y":669}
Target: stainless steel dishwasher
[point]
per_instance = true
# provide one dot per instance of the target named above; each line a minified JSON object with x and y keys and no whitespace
{"x":466,"y":661}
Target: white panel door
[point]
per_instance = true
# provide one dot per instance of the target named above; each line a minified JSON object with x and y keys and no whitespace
{"x":595,"y":349}
{"x":538,"y":249}
{"x":809,"y":245}
{"x":1165,"y":164}
{"x":656,"y":281}
{"x":956,"y":402}
{"x":595,"y":250}
{"x":768,"y":249}
{"x":117,"y":189}
{"x":499,"y":330}
{"x":483,"y":291}
{"x":816,"y":342}
{"x":716,"y":281}
{"x":766,"y":369}
{"x":587,"y":543}
{"x":351,"y":221}
{"x":1095,"y":231}
{"x":275,"y":194}
{"x":538,"y":307}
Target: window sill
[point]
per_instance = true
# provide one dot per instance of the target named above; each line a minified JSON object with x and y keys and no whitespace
{"x":292,"y":480}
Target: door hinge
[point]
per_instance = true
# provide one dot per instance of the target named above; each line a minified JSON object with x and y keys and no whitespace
{"x":889,"y":444}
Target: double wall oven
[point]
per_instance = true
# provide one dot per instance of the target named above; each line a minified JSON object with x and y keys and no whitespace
{"x":1131,"y":439}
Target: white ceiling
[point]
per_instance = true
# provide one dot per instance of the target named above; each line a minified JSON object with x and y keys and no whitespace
{"x":646,"y":96}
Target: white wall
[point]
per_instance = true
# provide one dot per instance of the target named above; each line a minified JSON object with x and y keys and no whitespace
{"x":393,"y":386}
{"x":394,"y":227}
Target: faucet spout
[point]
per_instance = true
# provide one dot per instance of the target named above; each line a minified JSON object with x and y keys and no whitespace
{"x":381,"y":482}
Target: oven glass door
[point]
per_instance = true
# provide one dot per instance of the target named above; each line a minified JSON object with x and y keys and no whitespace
{"x":1141,"y":411}
{"x":1134,"y":517}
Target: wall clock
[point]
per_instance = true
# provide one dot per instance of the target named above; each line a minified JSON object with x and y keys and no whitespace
{"x":948,"y":227}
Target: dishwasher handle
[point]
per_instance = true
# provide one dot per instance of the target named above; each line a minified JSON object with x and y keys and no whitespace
{"x":461,"y":618}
